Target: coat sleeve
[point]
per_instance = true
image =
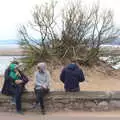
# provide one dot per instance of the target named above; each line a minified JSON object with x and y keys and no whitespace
{"x":6,"y":74}
{"x":23,"y":76}
{"x":81,"y":76}
{"x":62,"y":75}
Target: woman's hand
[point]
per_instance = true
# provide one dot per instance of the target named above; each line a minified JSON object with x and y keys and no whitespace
{"x":18,"y":82}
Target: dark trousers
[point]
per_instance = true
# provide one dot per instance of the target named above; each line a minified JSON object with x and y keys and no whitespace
{"x":40,"y":97}
{"x":73,"y":90}
{"x":18,"y":94}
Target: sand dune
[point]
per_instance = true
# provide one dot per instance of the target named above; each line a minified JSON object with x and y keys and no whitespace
{"x":98,"y":78}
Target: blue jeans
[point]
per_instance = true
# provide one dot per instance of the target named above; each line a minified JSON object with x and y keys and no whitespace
{"x":40,"y":96}
{"x":18,"y":94}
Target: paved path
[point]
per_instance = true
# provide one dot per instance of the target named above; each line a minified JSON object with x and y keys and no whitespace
{"x":62,"y":116}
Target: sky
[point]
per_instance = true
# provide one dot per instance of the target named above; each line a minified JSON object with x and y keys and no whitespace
{"x":16,"y":12}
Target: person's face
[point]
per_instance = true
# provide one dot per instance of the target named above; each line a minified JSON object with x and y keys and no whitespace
{"x":39,"y":69}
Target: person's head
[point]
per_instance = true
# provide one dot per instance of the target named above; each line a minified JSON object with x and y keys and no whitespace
{"x":15,"y":62}
{"x":13,"y":67}
{"x":77,"y":61}
{"x":41,"y":67}
{"x":73,"y":60}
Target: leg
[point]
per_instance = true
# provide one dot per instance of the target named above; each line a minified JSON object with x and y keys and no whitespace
{"x":41,"y":99}
{"x":13,"y":100}
{"x":41,"y":102}
{"x":37,"y":92}
{"x":37,"y":98}
{"x":18,"y":97}
{"x":13,"y":95}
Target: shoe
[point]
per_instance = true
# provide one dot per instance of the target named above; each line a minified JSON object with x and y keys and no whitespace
{"x":20,"y":112}
{"x":43,"y":112}
{"x":35,"y":106}
{"x":13,"y":103}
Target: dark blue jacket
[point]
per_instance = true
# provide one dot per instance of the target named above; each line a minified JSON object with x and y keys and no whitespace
{"x":8,"y":86}
{"x":71,"y":76}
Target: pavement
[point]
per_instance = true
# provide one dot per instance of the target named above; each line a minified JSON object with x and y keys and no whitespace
{"x":62,"y":116}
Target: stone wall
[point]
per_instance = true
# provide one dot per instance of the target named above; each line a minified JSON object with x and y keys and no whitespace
{"x":61,"y":101}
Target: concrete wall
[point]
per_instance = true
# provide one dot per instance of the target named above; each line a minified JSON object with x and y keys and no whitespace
{"x":61,"y":101}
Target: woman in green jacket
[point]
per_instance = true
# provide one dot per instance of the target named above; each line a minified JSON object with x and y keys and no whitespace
{"x":16,"y":78}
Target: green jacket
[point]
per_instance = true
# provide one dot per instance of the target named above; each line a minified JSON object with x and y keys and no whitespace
{"x":13,"y":74}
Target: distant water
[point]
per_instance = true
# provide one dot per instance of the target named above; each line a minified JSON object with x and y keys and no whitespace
{"x":8,"y":42}
{"x":4,"y":44}
{"x":5,"y":61}
{"x":8,"y":46}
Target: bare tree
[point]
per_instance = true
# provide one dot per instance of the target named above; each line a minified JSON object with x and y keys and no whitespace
{"x":86,"y":29}
{"x":43,"y":24}
{"x":83,"y":31}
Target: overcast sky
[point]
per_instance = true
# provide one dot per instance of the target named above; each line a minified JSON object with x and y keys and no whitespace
{"x":15,"y":12}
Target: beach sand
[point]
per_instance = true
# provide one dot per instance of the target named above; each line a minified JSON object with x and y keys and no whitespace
{"x":100,"y":78}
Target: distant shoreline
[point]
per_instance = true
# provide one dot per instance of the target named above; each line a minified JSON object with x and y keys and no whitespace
{"x":11,"y":52}
{"x":10,"y":55}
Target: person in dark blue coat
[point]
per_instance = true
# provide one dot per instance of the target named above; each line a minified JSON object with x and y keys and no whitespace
{"x":71,"y":76}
